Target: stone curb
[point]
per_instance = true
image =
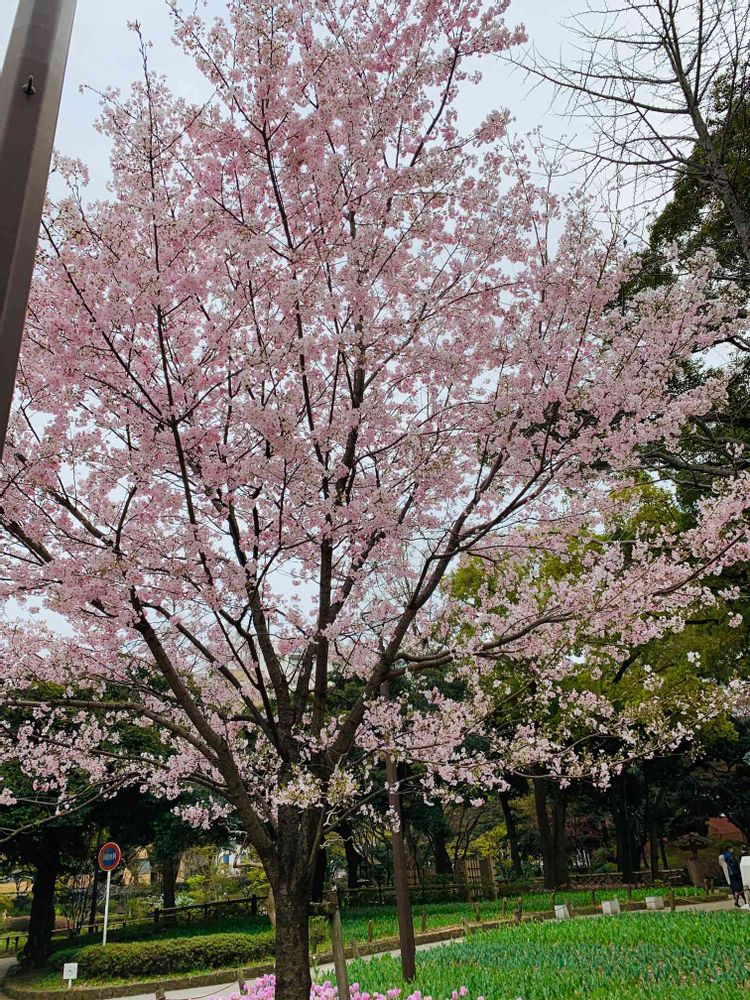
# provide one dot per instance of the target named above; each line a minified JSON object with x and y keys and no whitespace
{"x":220,"y":976}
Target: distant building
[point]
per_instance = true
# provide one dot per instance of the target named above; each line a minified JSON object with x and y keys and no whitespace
{"x":720,"y":828}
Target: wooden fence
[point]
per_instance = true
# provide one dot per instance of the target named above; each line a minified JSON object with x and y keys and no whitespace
{"x":473,"y":879}
{"x":161,"y":916}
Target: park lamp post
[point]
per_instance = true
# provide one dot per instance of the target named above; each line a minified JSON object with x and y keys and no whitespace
{"x":30,"y":90}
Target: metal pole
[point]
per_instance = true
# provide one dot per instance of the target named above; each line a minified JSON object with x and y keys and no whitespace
{"x":106,"y":908}
{"x":30,"y":90}
{"x":400,"y":873}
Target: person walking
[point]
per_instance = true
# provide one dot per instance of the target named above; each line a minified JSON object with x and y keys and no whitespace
{"x":734,"y":875}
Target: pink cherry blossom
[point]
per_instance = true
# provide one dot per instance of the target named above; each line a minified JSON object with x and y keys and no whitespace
{"x":318,"y":349}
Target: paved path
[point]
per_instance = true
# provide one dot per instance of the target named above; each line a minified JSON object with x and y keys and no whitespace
{"x":5,"y":964}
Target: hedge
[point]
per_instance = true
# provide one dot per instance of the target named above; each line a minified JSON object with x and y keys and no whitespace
{"x":157,"y":958}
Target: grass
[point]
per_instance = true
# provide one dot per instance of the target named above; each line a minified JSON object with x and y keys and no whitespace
{"x":355,"y":919}
{"x":690,"y":956}
{"x":385,"y":924}
{"x":10,"y":937}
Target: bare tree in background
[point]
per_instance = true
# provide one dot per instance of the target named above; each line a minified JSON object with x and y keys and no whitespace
{"x":659,"y":81}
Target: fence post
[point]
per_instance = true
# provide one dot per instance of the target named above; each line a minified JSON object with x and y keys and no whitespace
{"x":487,"y":875}
{"x":519,"y":910}
{"x":337,"y":946}
{"x":462,"y":880}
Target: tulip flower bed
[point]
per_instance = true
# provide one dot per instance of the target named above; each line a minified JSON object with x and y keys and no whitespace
{"x":690,"y":956}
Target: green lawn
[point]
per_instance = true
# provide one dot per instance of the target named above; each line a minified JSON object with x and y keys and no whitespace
{"x":355,"y":919}
{"x":680,"y":956}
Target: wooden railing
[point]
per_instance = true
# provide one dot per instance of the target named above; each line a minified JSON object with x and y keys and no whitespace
{"x":469,"y":882}
{"x":251,"y":905}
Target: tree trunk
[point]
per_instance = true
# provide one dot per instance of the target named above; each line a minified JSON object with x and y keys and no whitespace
{"x":169,"y":868}
{"x":512,"y":830}
{"x":42,"y":916}
{"x":353,"y":857}
{"x":443,"y":864}
{"x":297,"y":847}
{"x":319,"y":877}
{"x":627,"y":848}
{"x":652,"y":829}
{"x":292,"y":946}
{"x":94,"y":899}
{"x":552,"y":831}
{"x":559,"y":810}
{"x":664,"y":858}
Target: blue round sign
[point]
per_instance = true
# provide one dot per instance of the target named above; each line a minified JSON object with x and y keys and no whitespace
{"x":109,"y":857}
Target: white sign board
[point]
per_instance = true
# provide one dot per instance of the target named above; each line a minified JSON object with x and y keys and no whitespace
{"x":745,"y":870}
{"x":611,"y":907}
{"x":723,"y":866}
{"x":654,"y":902}
{"x":70,"y":972}
{"x":562,"y":912}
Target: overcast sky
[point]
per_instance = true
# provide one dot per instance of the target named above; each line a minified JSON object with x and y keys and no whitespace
{"x":104,"y":53}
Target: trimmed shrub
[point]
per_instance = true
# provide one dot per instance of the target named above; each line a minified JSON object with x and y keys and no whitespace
{"x":145,"y":959}
{"x":15,"y":924}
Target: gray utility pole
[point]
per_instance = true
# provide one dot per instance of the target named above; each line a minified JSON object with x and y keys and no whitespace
{"x":30,"y":90}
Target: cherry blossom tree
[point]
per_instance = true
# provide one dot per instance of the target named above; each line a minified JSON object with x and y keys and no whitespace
{"x":317,"y":347}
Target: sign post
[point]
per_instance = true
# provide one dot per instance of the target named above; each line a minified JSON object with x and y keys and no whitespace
{"x":70,"y":972}
{"x":109,"y":858}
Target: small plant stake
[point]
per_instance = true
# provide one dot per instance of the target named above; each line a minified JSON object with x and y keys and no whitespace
{"x":370,"y":932}
{"x":424,"y":921}
{"x":519,"y":910}
{"x":505,"y":905}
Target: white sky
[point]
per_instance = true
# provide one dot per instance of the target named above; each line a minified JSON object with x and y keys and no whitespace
{"x":104,"y":53}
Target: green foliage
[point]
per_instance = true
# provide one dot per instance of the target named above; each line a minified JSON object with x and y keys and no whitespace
{"x":695,"y":218}
{"x":121,"y":960}
{"x":693,"y":956}
{"x":319,"y":936}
